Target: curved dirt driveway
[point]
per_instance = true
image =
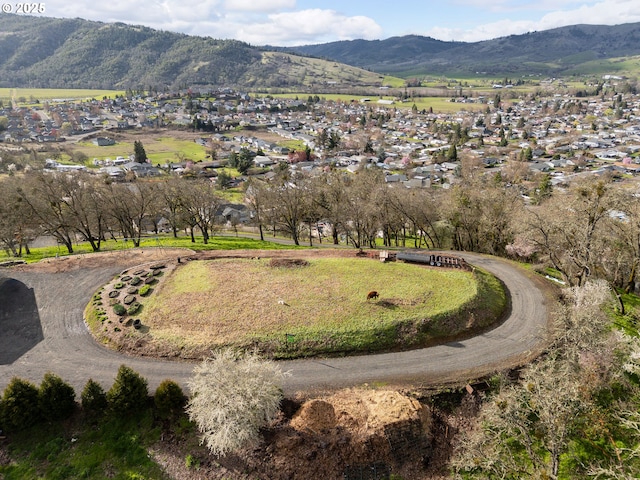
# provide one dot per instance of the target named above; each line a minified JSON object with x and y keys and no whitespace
{"x":48,"y":334}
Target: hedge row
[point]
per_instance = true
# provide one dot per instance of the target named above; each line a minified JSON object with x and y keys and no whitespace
{"x":24,"y":404}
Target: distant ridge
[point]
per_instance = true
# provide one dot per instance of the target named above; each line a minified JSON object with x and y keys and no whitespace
{"x":558,"y":51}
{"x":74,"y":53}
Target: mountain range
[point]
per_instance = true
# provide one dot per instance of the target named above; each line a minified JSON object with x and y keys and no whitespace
{"x":74,"y":53}
{"x":557,"y":51}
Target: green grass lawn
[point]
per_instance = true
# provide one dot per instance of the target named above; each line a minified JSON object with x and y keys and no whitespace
{"x":109,"y":448}
{"x":160,"y":150}
{"x":160,"y":241}
{"x":316,"y":309}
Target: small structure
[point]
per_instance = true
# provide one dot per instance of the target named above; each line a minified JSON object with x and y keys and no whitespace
{"x":104,"y":142}
{"x":435,"y":259}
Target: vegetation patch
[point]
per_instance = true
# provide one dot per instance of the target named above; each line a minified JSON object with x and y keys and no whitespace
{"x":319,"y":309}
{"x":288,"y":262}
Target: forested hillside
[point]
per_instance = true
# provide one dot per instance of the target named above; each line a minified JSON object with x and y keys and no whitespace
{"x":74,"y":53}
{"x":556,"y":51}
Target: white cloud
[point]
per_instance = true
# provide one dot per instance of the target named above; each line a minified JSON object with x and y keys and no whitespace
{"x":258,"y":5}
{"x":309,"y":26}
{"x":606,"y":12}
{"x":276,"y":22}
{"x":259,"y":22}
{"x":155,"y":13}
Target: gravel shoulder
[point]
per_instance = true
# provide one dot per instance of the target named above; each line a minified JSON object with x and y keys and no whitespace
{"x":62,"y":344}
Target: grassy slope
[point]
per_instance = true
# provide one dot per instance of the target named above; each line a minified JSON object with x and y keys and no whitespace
{"x":327,"y":311}
{"x":110,"y":448}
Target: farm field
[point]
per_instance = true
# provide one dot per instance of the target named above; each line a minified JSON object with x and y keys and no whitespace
{"x":30,"y":95}
{"x":161,"y":146}
{"x":301,"y":307}
{"x":438,"y":104}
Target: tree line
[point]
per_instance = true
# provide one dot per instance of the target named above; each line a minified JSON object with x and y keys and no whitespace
{"x":590,"y":228}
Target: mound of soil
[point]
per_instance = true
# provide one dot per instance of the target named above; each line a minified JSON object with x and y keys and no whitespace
{"x":288,"y":262}
{"x":345,"y":435}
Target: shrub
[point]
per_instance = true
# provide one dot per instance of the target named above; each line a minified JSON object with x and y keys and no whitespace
{"x":56,"y":398}
{"x":169,"y":399}
{"x":128,"y":393}
{"x":233,"y":397}
{"x":94,"y":400}
{"x":19,"y":405}
{"x":135,"y":281}
{"x":133,"y":308}
{"x":191,"y":462}
{"x":119,"y":309}
{"x":144,"y":290}
{"x":118,"y":285}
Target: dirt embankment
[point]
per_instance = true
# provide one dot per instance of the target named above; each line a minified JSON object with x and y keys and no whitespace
{"x":350,"y":434}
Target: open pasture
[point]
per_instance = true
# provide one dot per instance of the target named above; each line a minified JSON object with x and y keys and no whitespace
{"x":31,"y":95}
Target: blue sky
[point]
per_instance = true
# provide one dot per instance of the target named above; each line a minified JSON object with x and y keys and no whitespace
{"x":298,"y":22}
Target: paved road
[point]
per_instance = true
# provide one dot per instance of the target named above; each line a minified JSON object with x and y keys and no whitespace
{"x":45,"y":331}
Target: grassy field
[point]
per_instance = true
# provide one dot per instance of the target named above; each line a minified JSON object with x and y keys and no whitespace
{"x":309,"y":71}
{"x":318,"y":308}
{"x":78,"y":448}
{"x":160,"y":241}
{"x":30,"y":95}
{"x":438,"y":104}
{"x":159,"y":149}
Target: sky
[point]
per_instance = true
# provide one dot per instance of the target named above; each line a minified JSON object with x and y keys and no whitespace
{"x":303,"y":22}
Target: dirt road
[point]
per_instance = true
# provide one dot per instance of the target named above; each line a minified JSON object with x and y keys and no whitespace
{"x":42,"y":330}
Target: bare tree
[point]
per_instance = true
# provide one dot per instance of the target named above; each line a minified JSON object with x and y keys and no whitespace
{"x":289,"y":200}
{"x":572,"y":229}
{"x":421,"y":209}
{"x":16,"y":227}
{"x":524,"y":430}
{"x":45,"y":199}
{"x":256,"y":198}
{"x":128,"y":204}
{"x":233,"y":395}
{"x":200,"y":203}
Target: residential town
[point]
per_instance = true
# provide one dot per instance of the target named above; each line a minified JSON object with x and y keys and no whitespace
{"x":560,"y":134}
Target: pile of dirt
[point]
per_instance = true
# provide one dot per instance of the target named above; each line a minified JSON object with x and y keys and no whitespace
{"x":346,"y":435}
{"x":353,"y":431}
{"x":288,"y":262}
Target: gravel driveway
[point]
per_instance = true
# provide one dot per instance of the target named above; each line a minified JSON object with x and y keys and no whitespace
{"x":42,"y":330}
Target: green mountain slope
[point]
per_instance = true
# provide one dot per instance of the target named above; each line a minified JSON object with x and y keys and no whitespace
{"x":546,"y":52}
{"x":74,"y":53}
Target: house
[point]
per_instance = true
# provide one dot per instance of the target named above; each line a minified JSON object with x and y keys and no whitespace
{"x":104,"y":142}
{"x":418,"y":182}
{"x":142,"y":169}
{"x":235,"y":213}
{"x":395,"y":178}
{"x":263,"y":161}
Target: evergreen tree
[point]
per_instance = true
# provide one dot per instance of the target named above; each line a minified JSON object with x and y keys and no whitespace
{"x":452,"y":153}
{"x":138,"y":152}
{"x":56,"y":398}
